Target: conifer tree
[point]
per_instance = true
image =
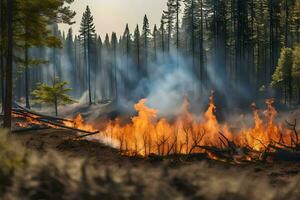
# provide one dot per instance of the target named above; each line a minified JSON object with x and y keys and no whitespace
{"x":154,"y":34}
{"x":127,"y":48}
{"x":137,"y":45}
{"x":283,"y":73}
{"x":162,"y":34}
{"x":168,"y":17}
{"x":114,"y":43}
{"x":145,"y":35}
{"x":9,"y":66}
{"x":87,"y":37}
{"x":32,"y":19}
{"x":296,"y":69}
{"x":56,"y":94}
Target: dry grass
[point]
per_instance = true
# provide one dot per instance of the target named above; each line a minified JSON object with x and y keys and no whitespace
{"x":29,"y":175}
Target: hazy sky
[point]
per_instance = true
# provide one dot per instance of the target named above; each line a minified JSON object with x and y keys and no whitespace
{"x":112,"y":15}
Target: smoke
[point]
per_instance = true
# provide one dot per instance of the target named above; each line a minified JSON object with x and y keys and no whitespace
{"x":170,"y":79}
{"x":164,"y":82}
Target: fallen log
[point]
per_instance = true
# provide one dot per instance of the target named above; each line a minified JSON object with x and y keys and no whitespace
{"x":52,"y":124}
{"x":67,"y":127}
{"x":89,"y":134}
{"x":39,"y":114}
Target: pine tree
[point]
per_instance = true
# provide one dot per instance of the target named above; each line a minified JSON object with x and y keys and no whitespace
{"x":127,"y":48}
{"x":282,"y":77}
{"x":9,"y":66}
{"x":155,"y":32}
{"x":69,"y":45}
{"x":201,"y":45}
{"x":32,"y":20}
{"x":87,"y":36}
{"x":145,"y":35}
{"x":108,"y":67}
{"x":296,"y":69}
{"x":2,"y":47}
{"x":168,"y":17}
{"x":177,"y":11}
{"x":137,"y":45}
{"x":100,"y":69}
{"x":114,"y":44}
{"x":189,"y":25}
{"x":56,"y":94}
{"x":162,"y":35}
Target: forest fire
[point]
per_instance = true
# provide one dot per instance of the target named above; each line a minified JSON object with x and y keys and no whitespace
{"x":79,"y":123}
{"x":147,"y":134}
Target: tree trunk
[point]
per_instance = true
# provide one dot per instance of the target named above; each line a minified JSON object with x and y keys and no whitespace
{"x":9,"y":67}
{"x":89,"y":71}
{"x":115,"y":72}
{"x":286,"y":24}
{"x":163,"y":40}
{"x":299,"y":96}
{"x":2,"y":69}
{"x":26,"y":78}
{"x":201,"y":57}
{"x":55,"y":105}
{"x":2,"y":78}
{"x":155,"y":45}
{"x":193,"y":35}
{"x":177,"y":32}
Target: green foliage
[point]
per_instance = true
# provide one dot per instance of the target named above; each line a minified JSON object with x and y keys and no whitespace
{"x":296,"y":65}
{"x":53,"y":95}
{"x":146,"y":28}
{"x":33,"y":18}
{"x":87,"y":27}
{"x":284,"y":68}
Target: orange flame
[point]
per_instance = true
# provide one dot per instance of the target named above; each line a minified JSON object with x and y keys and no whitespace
{"x":79,"y":123}
{"x":147,"y":134}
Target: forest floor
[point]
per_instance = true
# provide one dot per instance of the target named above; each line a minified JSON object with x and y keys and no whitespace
{"x":105,"y":174}
{"x":62,"y":141}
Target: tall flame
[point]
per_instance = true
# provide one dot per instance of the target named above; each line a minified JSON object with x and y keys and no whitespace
{"x":147,"y":134}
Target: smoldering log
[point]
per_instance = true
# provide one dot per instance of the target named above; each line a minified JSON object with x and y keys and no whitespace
{"x":49,"y":121}
{"x":67,"y":127}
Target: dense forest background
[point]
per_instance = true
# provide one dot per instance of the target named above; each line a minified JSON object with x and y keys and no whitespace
{"x":244,"y":50}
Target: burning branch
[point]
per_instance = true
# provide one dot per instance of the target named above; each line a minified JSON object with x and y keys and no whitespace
{"x":34,"y":118}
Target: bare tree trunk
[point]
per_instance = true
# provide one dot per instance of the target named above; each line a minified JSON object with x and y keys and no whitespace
{"x":55,"y":105}
{"x":26,"y":78}
{"x":286,"y":24}
{"x":115,"y":72}
{"x":9,"y":67}
{"x":201,"y":48}
{"x":2,"y":54}
{"x":89,"y":70}
{"x":177,"y":31}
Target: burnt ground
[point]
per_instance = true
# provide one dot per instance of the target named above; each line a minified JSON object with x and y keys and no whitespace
{"x":105,"y":174}
{"x":64,"y":142}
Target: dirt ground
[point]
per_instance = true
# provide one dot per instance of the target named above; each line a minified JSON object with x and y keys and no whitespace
{"x":65,"y":143}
